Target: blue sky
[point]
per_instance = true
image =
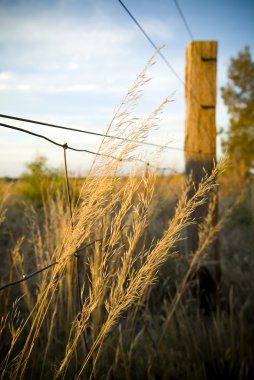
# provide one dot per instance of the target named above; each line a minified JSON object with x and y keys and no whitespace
{"x":72,"y":61}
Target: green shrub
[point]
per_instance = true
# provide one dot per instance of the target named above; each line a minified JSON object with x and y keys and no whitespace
{"x":39,"y":181}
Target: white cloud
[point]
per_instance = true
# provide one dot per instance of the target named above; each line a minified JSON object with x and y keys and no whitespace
{"x":6,"y":75}
{"x":158,"y":29}
{"x":72,"y":88}
{"x":56,"y":64}
{"x":63,"y":54}
{"x":72,"y":66}
{"x":23,"y":87}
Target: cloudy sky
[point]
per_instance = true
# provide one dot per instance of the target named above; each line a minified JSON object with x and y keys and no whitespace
{"x":71,"y":61}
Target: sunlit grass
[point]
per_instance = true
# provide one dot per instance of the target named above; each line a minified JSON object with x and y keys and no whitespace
{"x":90,"y":315}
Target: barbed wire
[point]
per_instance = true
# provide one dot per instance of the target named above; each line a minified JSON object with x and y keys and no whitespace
{"x":28,"y":276}
{"x":65,"y":145}
{"x":169,"y":65}
{"x":163,"y":168}
{"x":152,"y":43}
{"x":48,"y":266}
{"x":87,"y":132}
{"x":79,"y":130}
{"x":165,"y":147}
{"x":184,"y":19}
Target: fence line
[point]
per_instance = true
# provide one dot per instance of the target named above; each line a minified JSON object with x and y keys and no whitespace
{"x":66,"y":146}
{"x":46,"y":267}
{"x":79,"y":130}
{"x":28,"y":276}
{"x":87,"y":132}
{"x":165,"y":147}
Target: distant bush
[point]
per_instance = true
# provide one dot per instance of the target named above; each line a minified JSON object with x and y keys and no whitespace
{"x":38,"y":181}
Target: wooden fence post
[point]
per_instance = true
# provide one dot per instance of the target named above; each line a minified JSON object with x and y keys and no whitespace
{"x":200,"y":129}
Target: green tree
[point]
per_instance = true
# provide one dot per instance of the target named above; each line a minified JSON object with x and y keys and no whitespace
{"x":238,"y":96}
{"x":40,"y":181}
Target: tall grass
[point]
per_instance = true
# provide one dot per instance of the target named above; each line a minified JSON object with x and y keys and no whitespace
{"x":99,"y":289}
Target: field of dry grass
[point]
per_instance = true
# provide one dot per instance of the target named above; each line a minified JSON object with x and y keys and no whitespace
{"x":122,"y":309}
{"x":119,"y":298}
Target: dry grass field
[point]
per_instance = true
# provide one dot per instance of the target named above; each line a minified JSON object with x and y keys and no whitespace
{"x":120,"y":298}
{"x":136,"y":317}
